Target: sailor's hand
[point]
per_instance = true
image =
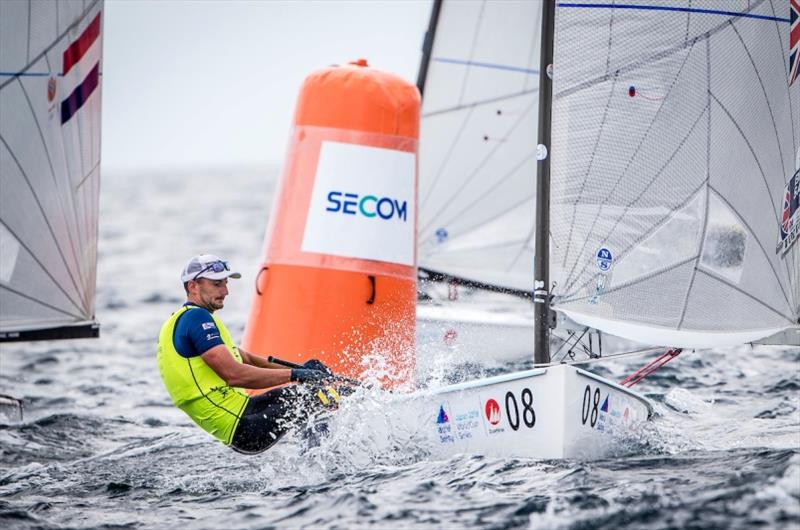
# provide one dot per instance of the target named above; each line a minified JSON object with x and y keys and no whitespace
{"x":307,"y":376}
{"x":316,"y":364}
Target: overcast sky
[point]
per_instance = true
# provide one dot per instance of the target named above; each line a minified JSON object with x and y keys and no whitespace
{"x":212,"y":84}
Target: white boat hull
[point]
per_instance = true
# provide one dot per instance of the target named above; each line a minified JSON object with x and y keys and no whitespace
{"x":554,"y":412}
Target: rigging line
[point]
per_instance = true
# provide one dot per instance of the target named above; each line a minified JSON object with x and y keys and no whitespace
{"x":43,"y":304}
{"x":44,"y":269}
{"x":50,"y":228}
{"x":645,"y":61}
{"x":604,"y":358}
{"x":485,"y":160}
{"x":58,"y":39}
{"x":58,"y":195}
{"x":495,"y":185}
{"x":481,"y":102}
{"x":655,"y":178}
{"x":735,"y":14}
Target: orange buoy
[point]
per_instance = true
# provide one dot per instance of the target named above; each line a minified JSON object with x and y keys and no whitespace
{"x":338,"y":280}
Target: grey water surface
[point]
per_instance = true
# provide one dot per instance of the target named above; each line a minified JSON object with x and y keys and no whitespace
{"x":101,"y":445}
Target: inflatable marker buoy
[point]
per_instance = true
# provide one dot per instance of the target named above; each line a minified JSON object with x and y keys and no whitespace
{"x":338,"y":280}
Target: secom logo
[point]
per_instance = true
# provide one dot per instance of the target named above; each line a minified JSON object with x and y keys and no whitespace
{"x":368,"y":205}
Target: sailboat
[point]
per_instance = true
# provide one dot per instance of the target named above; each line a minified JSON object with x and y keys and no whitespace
{"x":659,"y":202}
{"x":50,"y":99}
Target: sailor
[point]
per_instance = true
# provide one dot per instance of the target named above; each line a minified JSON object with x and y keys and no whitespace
{"x":205,"y":373}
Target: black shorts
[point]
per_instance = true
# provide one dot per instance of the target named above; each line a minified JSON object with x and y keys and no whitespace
{"x":271,"y":415}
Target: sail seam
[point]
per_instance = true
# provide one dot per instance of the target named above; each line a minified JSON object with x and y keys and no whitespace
{"x":596,"y":143}
{"x":483,"y":196}
{"x":483,"y":163}
{"x":49,"y":227}
{"x":758,"y":242}
{"x":481,"y":102}
{"x":766,"y":100}
{"x":666,"y":270}
{"x":55,"y":184}
{"x":633,"y":201}
{"x":763,"y":179}
{"x":572,"y":273}
{"x":46,"y":50}
{"x":472,"y":51}
{"x":645,"y":61}
{"x":42,"y":303}
{"x":704,"y":229}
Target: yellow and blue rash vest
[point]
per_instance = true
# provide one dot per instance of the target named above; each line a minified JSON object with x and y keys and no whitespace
{"x":194,"y":386}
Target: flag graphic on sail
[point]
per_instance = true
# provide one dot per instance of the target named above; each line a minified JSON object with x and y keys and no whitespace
{"x":50,"y":100}
{"x":72,"y":56}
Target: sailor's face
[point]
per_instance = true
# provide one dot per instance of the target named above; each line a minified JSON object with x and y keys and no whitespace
{"x":212,"y":293}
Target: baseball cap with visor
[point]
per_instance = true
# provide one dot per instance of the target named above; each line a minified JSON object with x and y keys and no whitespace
{"x":207,"y":266}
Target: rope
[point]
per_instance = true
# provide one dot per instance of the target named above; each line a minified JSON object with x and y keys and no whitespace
{"x":648,"y":369}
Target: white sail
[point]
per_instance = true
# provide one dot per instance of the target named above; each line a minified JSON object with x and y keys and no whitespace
{"x":50,"y":88}
{"x":477,"y":165}
{"x":675,"y":151}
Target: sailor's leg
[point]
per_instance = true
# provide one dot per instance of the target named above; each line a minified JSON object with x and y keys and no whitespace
{"x":269,"y":416}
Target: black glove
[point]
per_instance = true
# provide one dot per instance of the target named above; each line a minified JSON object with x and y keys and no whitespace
{"x":306,"y":376}
{"x":315,"y":364}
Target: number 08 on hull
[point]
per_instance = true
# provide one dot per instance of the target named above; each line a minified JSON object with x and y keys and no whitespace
{"x":554,"y":412}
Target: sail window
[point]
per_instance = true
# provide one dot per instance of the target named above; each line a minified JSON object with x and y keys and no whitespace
{"x":725,"y":241}
{"x":674,"y":242}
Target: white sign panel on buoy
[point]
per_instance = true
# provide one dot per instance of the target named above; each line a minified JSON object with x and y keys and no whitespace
{"x":362,"y":204}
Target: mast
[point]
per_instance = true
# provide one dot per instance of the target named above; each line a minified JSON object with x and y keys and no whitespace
{"x":541,"y":262}
{"x":427,"y":46}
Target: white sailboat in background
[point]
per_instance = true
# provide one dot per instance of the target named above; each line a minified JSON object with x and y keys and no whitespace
{"x":668,"y":195}
{"x":50,"y":99}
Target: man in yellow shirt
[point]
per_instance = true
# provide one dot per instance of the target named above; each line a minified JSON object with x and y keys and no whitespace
{"x":206,"y":374}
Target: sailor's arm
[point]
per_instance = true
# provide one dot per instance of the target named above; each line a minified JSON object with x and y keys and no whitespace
{"x":244,"y":375}
{"x":257,"y":360}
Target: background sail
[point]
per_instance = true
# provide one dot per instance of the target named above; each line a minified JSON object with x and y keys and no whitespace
{"x":50,"y":85}
{"x":675,"y":137}
{"x":477,"y":165}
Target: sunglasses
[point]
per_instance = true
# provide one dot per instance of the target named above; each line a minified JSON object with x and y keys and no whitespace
{"x":214,"y":266}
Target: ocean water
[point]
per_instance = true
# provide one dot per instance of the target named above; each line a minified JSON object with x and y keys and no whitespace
{"x":101,"y":445}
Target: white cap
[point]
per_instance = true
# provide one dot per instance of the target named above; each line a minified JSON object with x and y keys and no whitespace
{"x":207,"y":266}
